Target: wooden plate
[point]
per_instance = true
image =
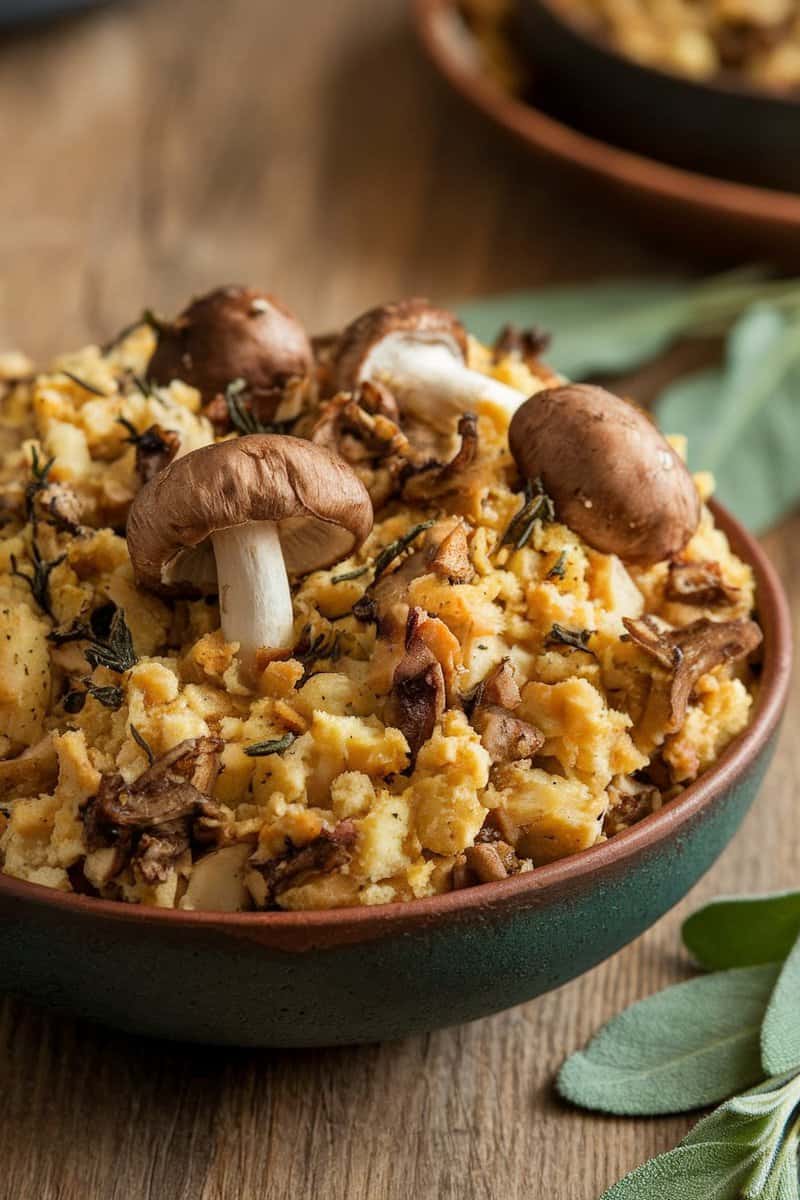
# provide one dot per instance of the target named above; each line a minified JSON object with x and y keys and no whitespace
{"x":720,"y":217}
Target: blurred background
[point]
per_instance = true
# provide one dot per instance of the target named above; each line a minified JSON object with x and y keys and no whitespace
{"x":157,"y":147}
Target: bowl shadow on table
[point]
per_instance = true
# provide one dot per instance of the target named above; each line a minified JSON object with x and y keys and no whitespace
{"x":428,"y":198}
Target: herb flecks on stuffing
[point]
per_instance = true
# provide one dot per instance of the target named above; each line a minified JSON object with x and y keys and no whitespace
{"x":494,"y":669}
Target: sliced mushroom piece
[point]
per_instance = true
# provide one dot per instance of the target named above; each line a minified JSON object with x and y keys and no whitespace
{"x":420,"y":353}
{"x":155,"y":450}
{"x":613,"y":477}
{"x":691,"y":652}
{"x":506,"y":738}
{"x":451,"y":558}
{"x":418,"y":696}
{"x":216,"y":883}
{"x":437,"y":479}
{"x":326,"y":853}
{"x":238,"y":518}
{"x":234,"y":333}
{"x":699,"y":584}
{"x":32,"y":772}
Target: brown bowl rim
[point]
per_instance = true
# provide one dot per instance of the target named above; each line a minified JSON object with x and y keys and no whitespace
{"x":344,"y":923}
{"x":705,"y":193}
{"x":717,"y":86}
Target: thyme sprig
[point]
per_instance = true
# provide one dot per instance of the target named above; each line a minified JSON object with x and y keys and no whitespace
{"x":39,"y":579}
{"x":40,"y":480}
{"x":108,"y":695}
{"x":536,"y":506}
{"x":271,"y":746}
{"x":355,"y":574}
{"x":396,"y":548}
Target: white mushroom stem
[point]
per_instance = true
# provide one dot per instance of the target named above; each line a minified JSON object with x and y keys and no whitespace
{"x":417,"y":371}
{"x":254,"y":599}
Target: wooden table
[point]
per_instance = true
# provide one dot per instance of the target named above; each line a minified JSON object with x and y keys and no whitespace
{"x":155,"y":149}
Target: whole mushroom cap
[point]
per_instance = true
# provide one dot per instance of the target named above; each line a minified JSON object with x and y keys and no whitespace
{"x":613,"y":477}
{"x":232,"y":333}
{"x":320,"y":506}
{"x":417,"y":318}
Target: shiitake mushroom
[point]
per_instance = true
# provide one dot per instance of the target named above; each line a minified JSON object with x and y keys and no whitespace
{"x":613,"y":477}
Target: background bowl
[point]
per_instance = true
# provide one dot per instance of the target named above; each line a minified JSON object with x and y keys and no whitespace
{"x":362,"y":975}
{"x":735,"y":132}
{"x":717,"y":217}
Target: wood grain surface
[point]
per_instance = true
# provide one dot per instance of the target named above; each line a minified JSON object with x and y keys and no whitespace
{"x":154,"y":149}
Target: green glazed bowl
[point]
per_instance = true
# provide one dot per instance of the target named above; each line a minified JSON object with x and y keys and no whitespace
{"x":364,"y":975}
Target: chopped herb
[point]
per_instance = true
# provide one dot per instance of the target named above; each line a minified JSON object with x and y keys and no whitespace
{"x":88,"y":387}
{"x":274,"y":746}
{"x":536,"y":506}
{"x":143,"y":743}
{"x":395,"y":548}
{"x":578,"y":639}
{"x":356,"y":574}
{"x":39,"y":580}
{"x":109,"y":697}
{"x":242,"y":418}
{"x":559,"y":567}
{"x":117,"y":652}
{"x":41,"y":478}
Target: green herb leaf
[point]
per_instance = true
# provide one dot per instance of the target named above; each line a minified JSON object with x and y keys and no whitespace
{"x":609,"y":327}
{"x":780,"y":1033}
{"x":737,"y":1153}
{"x":117,"y":653}
{"x":87,"y":387}
{"x":743,"y":421}
{"x":273,"y":746}
{"x":395,"y":548}
{"x":689,"y":1045}
{"x":743,"y":930}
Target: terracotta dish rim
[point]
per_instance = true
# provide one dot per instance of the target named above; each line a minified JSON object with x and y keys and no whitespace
{"x":534,"y":885}
{"x":433,"y":20}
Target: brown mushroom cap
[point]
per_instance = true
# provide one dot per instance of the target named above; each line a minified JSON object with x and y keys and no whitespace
{"x":614,"y":479}
{"x":233,"y":333}
{"x":415,"y":317}
{"x":321,"y":508}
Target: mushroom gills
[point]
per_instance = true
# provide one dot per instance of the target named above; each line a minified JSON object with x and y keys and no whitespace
{"x":254,"y":598}
{"x":429,"y":381}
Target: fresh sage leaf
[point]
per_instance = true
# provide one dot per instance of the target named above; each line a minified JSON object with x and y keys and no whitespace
{"x":738,"y":1152}
{"x":743,"y":931}
{"x":711,"y":1171}
{"x":690,"y":1045}
{"x":780,"y":1033}
{"x":610,"y":327}
{"x":743,"y":420}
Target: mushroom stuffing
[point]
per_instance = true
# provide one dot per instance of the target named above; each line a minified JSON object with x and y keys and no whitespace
{"x":292,"y":623}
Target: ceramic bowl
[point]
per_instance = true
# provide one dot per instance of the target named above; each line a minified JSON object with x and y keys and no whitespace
{"x":724,"y":129}
{"x":364,"y":975}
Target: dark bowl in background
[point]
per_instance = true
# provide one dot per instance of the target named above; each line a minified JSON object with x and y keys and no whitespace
{"x":732,"y":132}
{"x":15,"y":13}
{"x":371,"y":974}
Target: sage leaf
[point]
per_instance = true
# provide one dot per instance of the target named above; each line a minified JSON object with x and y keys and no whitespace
{"x":741,"y":931}
{"x":738,"y":1152}
{"x":743,"y":420}
{"x":612,"y":326}
{"x":690,"y":1045}
{"x":780,"y":1033}
{"x":710,"y":1171}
